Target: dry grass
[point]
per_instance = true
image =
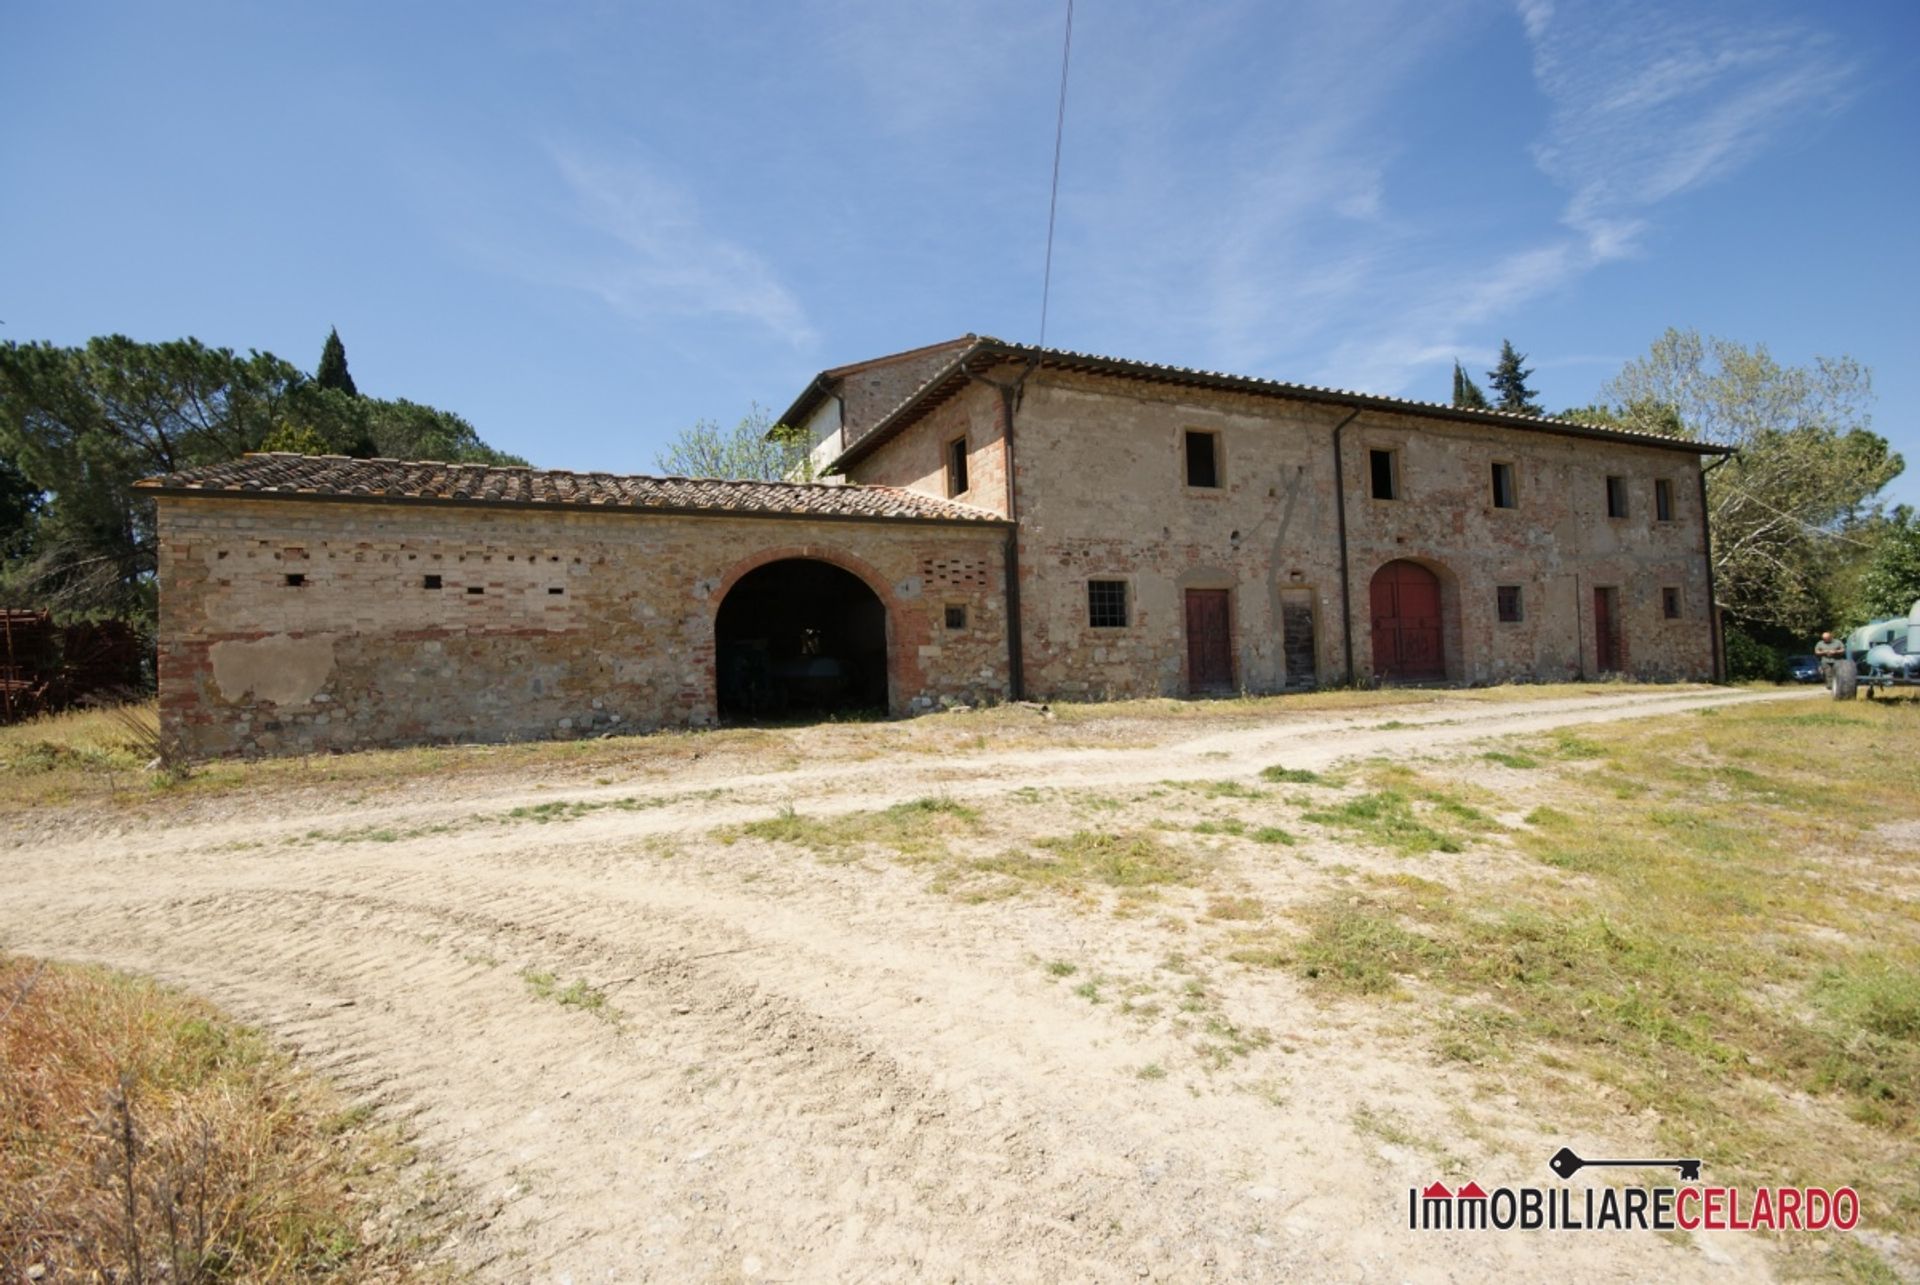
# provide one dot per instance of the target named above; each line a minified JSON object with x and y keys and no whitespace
{"x":143,"y":1137}
{"x":92,"y":756}
{"x":1706,"y":922}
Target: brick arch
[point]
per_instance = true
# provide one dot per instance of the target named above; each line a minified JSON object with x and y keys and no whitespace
{"x":903,"y":662}
{"x":830,"y":554}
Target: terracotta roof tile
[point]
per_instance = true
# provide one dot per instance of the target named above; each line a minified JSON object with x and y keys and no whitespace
{"x":338,"y":477}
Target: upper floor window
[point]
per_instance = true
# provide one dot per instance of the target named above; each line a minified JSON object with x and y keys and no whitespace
{"x":1670,"y":603}
{"x":1663,"y":500}
{"x":1203,"y":458}
{"x":956,"y":466}
{"x":1503,"y":493}
{"x":1616,"y":497}
{"x":1507,"y":599}
{"x":1383,"y":469}
{"x":1107,"y":604}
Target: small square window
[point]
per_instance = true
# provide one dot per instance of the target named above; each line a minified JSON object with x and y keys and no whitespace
{"x":1107,"y":604}
{"x":957,"y":466}
{"x":956,"y":616}
{"x":1663,"y":500}
{"x":1670,"y":603}
{"x":430,"y":582}
{"x":1616,"y":497}
{"x":295,"y":580}
{"x":1503,"y":496}
{"x":1509,"y":602}
{"x":1384,"y":473}
{"x":1203,"y":459}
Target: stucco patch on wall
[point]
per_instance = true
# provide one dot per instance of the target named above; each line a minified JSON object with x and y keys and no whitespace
{"x":278,"y":668}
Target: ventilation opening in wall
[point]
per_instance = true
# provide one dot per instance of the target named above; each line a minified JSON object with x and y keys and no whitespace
{"x":556,"y":590}
{"x":474,"y":590}
{"x":430,"y":582}
{"x":295,"y":580}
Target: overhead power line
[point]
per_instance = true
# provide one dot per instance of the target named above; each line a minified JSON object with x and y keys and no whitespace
{"x":1053,"y":197}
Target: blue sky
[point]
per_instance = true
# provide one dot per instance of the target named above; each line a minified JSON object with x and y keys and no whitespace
{"x":585,"y":225}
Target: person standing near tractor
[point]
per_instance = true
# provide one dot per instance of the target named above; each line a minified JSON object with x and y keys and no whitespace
{"x":1828,"y":650}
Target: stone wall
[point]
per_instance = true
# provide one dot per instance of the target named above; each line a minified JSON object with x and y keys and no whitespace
{"x":917,"y":458}
{"x":296,"y":626}
{"x":1102,"y":494}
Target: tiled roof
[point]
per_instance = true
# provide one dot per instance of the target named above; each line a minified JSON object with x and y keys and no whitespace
{"x":337,"y":477}
{"x":985,"y":348}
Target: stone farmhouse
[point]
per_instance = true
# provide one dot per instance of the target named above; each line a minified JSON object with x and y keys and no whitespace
{"x":1006,"y":522}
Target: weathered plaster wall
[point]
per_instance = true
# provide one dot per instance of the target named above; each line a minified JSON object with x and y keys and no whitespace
{"x":1102,"y":495}
{"x":583,"y":621}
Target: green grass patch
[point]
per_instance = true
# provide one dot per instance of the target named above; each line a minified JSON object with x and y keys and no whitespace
{"x":1386,"y":818}
{"x":1131,"y":859}
{"x":1218,"y":789}
{"x":574,"y":994}
{"x":917,"y":830}
{"x":1292,"y":776}
{"x":573,"y":809}
{"x":1511,"y":758}
{"x":1738,"y":962}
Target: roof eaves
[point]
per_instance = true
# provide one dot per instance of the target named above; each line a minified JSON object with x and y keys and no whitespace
{"x":828,"y":381}
{"x":934,"y":390}
{"x":976,"y":517}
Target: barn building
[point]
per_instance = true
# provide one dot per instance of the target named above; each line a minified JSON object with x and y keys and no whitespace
{"x":1005,"y":521}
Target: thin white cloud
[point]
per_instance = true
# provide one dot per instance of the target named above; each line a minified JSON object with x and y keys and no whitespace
{"x":1651,"y":100}
{"x":664,"y":258}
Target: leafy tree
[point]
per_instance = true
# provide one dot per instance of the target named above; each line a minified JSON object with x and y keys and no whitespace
{"x":1509,"y":380}
{"x":20,"y":505}
{"x":1804,"y":482}
{"x":1890,"y":581}
{"x":300,"y":439}
{"x":1466,"y":393}
{"x":755,"y":449}
{"x":81,"y":425}
{"x":332,"y":371}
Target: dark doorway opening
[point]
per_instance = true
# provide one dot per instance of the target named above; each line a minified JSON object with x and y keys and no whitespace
{"x":1407,"y":634}
{"x":1209,"y":641}
{"x":800,"y":638}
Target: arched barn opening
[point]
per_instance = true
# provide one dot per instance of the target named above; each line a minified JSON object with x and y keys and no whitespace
{"x":1408,"y":633}
{"x":800,"y":637}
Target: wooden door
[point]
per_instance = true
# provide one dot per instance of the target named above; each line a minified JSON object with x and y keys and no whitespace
{"x":1407,"y":634}
{"x":1209,"y":641}
{"x":1606,"y":630}
{"x":1296,"y":637}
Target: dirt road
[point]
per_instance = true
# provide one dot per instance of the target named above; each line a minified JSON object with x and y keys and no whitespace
{"x":803,"y":1069}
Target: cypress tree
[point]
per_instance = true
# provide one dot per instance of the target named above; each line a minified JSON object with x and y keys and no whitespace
{"x":332,"y":371}
{"x":1466,"y":393}
{"x":1509,"y":379}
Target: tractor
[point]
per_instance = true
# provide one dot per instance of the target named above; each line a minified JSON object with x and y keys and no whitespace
{"x":1880,"y":655}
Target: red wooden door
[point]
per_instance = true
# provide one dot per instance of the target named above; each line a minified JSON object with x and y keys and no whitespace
{"x":1209,"y":641}
{"x":1407,"y":642}
{"x":1606,"y":629}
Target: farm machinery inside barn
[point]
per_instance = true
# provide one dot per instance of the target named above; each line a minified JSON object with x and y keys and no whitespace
{"x":1880,"y":655}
